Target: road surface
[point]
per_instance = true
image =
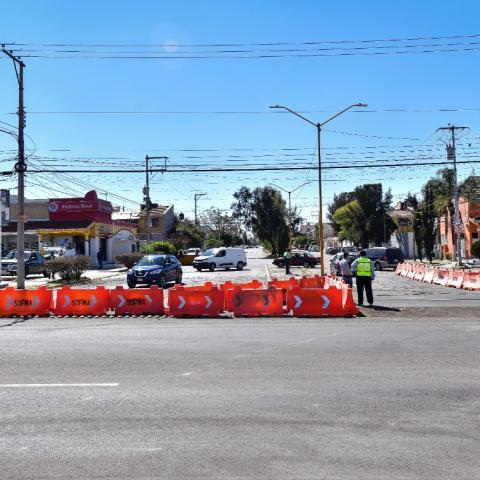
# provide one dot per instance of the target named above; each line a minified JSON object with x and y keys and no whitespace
{"x":240,"y":399}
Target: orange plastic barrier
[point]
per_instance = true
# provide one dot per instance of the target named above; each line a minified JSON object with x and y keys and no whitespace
{"x":317,"y":302}
{"x":254,"y":302}
{"x":203,"y":300}
{"x":25,"y":302}
{"x":82,"y":301}
{"x":399,"y":268}
{"x":137,"y":301}
{"x":455,"y":278}
{"x":471,"y":281}
{"x":283,"y":284}
{"x":412,"y":269}
{"x":440,"y":276}
{"x":254,"y":284}
{"x":405,"y":269}
{"x":314,"y":282}
{"x":428,"y":277}
{"x":420,"y":272}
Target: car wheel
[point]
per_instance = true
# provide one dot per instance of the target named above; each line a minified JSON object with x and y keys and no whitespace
{"x":162,"y":281}
{"x":131,"y":284}
{"x":240,"y":266}
{"x":306,"y":264}
{"x":227,"y":268}
{"x":179,"y":278}
{"x":378,"y":266}
{"x":46,"y":274}
{"x":198,"y":269}
{"x":26,"y":272}
{"x":211,"y":267}
{"x":281,"y":264}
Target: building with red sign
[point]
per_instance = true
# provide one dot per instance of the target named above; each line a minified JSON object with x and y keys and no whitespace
{"x":84,"y":224}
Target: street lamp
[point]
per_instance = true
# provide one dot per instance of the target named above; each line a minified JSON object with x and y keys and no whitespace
{"x":290,"y":205}
{"x":319,"y":126}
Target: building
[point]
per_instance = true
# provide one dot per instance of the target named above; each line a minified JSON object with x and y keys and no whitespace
{"x":84,"y":223}
{"x":470,"y":229}
{"x":162,"y":221}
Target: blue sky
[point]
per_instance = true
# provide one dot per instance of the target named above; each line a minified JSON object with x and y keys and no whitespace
{"x":321,"y":85}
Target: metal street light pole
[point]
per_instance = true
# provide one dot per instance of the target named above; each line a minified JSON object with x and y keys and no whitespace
{"x":319,"y":126}
{"x":20,"y":168}
{"x":290,"y":227}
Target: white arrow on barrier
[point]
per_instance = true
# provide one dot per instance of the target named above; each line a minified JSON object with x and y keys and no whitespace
{"x":149,"y":298}
{"x":36,"y":301}
{"x":209,"y":301}
{"x":67,"y":301}
{"x":122,"y":301}
{"x":326,"y":302}
{"x":9,"y":301}
{"x":298,"y":301}
{"x":182,"y":301}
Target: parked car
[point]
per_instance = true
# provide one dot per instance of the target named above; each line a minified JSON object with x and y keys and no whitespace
{"x":335,"y":261}
{"x":194,"y":251}
{"x":34,"y":263}
{"x":300,"y":258}
{"x":158,"y":269}
{"x":385,"y":257}
{"x":332,"y":250}
{"x":313,"y":248}
{"x":224,"y":257}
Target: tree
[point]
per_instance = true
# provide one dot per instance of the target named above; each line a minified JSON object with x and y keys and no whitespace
{"x":429,"y":224}
{"x":338,"y":201}
{"x":351,"y":220}
{"x":263,"y":211}
{"x":160,"y":246}
{"x":186,"y":234}
{"x":475,"y":249}
{"x":222,"y":227}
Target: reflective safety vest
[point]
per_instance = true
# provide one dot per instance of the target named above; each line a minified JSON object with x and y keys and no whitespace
{"x":364,"y":267}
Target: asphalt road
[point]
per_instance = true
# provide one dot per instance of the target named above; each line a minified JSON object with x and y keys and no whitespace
{"x":238,"y":399}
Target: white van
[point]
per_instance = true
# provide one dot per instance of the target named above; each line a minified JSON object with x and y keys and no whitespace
{"x":224,"y":257}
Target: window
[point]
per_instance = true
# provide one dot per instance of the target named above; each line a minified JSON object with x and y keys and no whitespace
{"x":155,"y":221}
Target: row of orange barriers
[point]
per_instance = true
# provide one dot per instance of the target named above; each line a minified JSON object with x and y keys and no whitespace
{"x":304,"y":297}
{"x":447,"y":277}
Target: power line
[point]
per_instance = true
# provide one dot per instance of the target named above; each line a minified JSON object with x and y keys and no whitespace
{"x":254,"y":169}
{"x":317,"y":42}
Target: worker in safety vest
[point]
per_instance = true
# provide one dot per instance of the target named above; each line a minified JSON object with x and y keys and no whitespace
{"x":365,"y":273}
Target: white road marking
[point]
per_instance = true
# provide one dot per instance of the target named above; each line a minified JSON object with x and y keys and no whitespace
{"x":40,"y":385}
{"x":186,"y":374}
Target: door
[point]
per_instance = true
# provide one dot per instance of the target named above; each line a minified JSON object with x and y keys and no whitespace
{"x":103,"y":249}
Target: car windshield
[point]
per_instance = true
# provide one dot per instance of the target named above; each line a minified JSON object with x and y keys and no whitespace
{"x":211,"y":251}
{"x":192,"y":250}
{"x":13,"y":255}
{"x":151,"y":261}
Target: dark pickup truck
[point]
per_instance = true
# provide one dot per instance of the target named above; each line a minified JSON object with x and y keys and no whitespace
{"x":34,"y":263}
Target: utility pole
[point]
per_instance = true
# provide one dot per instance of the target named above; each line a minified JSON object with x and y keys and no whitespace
{"x":20,"y":168}
{"x":197,"y":196}
{"x":146,"y":191}
{"x":457,"y":221}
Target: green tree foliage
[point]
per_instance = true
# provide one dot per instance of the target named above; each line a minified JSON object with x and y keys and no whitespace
{"x":338,"y":201}
{"x":222,"y":227}
{"x":475,"y":249}
{"x":351,"y":220}
{"x":263,"y":211}
{"x":159,"y":247}
{"x":365,"y":219}
{"x":186,"y":234}
{"x":428,"y":218}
